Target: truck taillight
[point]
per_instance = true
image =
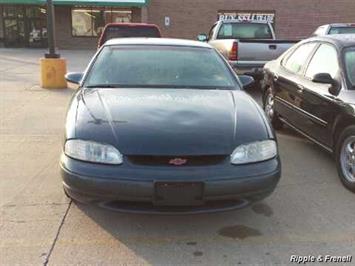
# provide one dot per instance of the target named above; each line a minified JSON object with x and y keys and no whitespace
{"x":233,"y":54}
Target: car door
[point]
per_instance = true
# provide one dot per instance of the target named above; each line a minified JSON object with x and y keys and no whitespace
{"x":318,"y":105}
{"x":288,"y":100}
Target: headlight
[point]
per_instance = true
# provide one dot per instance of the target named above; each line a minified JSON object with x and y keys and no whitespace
{"x":254,"y":152}
{"x":92,"y":152}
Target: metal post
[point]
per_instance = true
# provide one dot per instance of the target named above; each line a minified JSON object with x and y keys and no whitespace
{"x":51,"y":31}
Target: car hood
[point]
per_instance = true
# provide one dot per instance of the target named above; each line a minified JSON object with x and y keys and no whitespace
{"x":168,"y":121}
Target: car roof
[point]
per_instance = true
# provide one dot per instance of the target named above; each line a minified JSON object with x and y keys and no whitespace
{"x":117,"y":24}
{"x":157,"y":41}
{"x":339,"y":25}
{"x":340,"y":40}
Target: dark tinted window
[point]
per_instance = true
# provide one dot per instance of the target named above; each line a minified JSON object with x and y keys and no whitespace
{"x":160,"y":66}
{"x":350,"y":66}
{"x":130,"y":31}
{"x":244,"y":31}
{"x":342,"y":30}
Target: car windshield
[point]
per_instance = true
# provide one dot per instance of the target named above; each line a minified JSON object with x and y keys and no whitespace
{"x":160,"y":66}
{"x":342,"y":30}
{"x":350,"y":66}
{"x":244,"y":31}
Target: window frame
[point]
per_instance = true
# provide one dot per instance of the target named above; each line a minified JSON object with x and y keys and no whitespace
{"x":267,"y":26}
{"x":211,"y":33}
{"x":92,"y":21}
{"x":320,"y":43}
{"x":347,"y":81}
{"x":321,"y":30}
{"x":239,"y":85}
{"x":305,"y":64}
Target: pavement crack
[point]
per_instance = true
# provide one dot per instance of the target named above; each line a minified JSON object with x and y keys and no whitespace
{"x":57,"y":235}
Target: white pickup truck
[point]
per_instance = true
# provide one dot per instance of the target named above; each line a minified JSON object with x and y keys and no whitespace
{"x":248,"y":46}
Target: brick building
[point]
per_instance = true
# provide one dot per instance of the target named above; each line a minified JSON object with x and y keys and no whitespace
{"x":79,"y":22}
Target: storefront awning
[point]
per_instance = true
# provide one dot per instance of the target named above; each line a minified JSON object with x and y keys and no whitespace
{"x":136,"y":3}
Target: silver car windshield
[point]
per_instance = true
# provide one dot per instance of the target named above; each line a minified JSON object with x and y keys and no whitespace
{"x":350,"y":66}
{"x":160,"y":66}
{"x":342,"y":30}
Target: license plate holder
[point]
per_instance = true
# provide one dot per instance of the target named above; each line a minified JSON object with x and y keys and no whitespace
{"x":178,"y":193}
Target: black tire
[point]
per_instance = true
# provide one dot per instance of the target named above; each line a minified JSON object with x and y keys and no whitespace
{"x":269,"y":111}
{"x":346,"y":137}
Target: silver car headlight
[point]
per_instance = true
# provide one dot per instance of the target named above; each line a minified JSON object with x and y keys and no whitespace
{"x":92,"y":152}
{"x":254,"y":152}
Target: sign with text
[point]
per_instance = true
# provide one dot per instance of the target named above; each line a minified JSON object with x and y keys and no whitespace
{"x":262,"y":16}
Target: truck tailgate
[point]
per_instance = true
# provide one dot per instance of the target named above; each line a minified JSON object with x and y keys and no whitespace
{"x":262,"y":50}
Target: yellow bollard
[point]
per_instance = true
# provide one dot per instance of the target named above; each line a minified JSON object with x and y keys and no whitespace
{"x":53,"y":71}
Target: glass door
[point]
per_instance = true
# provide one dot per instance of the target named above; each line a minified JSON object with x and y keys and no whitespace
{"x":37,"y":32}
{"x":36,"y":26}
{"x":14,"y":26}
{"x":25,"y":26}
{"x":14,"y":32}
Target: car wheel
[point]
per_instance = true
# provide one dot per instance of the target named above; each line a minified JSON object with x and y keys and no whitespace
{"x":345,"y":158}
{"x":269,"y":109}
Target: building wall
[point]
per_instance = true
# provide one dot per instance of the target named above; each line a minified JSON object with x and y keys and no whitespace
{"x":188,"y":18}
{"x":294,"y":18}
{"x":64,"y":31}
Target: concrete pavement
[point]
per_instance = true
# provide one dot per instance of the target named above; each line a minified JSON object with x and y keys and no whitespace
{"x":310,"y":212}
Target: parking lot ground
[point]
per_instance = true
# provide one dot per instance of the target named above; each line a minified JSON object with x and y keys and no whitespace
{"x":310,"y":213}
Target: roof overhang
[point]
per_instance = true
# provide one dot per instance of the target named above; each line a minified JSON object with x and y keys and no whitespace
{"x":124,"y":3}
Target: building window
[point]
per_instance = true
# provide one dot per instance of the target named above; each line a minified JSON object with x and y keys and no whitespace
{"x":91,"y":21}
{"x":13,"y":11}
{"x":24,"y":26}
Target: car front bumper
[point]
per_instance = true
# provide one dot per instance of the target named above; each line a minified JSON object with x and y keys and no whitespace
{"x":132,"y":189}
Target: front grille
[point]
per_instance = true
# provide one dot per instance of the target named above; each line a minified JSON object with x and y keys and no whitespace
{"x":169,"y":160}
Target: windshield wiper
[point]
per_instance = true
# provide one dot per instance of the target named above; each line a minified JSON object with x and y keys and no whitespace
{"x":101,"y":86}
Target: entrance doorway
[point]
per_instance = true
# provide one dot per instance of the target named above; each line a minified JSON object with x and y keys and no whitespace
{"x":14,"y":32}
{"x":36,"y":26}
{"x":25,"y":26}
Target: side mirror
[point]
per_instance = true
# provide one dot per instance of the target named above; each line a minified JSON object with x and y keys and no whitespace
{"x":202,"y":37}
{"x":326,"y":78}
{"x":74,"y":79}
{"x":247,"y":81}
{"x":323,"y":78}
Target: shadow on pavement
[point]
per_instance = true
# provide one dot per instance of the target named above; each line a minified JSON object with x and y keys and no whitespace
{"x":180,"y":239}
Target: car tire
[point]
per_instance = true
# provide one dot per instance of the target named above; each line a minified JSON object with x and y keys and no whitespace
{"x":345,"y":157}
{"x":268,"y":104}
